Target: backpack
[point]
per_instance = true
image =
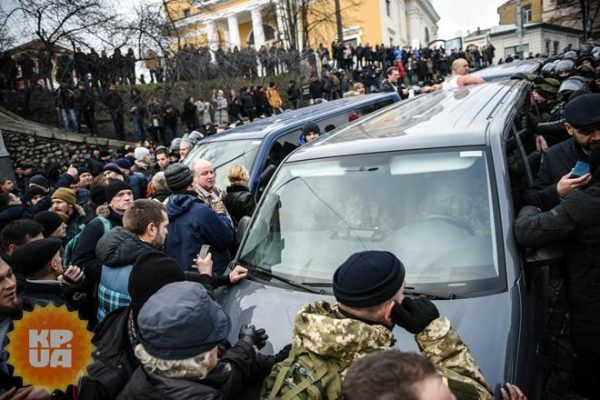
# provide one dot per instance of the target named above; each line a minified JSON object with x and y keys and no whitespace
{"x":305,"y":375}
{"x":72,"y":244}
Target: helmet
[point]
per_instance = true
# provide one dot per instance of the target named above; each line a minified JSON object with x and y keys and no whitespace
{"x":570,"y":85}
{"x":570,"y":55}
{"x":175,"y":145}
{"x":195,"y":136}
{"x":564,"y":66}
{"x":548,"y":70}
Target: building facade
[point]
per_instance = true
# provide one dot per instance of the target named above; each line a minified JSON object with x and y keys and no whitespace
{"x":240,"y":23}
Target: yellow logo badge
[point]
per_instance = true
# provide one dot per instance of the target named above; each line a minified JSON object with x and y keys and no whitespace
{"x":50,"y":347}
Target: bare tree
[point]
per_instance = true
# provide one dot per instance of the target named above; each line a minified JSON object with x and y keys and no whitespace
{"x":303,"y":20}
{"x":7,"y":39}
{"x":578,"y":13}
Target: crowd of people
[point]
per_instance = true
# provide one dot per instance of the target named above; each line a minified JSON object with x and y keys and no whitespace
{"x":136,"y":242}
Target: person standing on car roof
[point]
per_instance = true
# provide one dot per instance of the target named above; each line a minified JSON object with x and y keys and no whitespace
{"x":369,"y":288}
{"x":575,"y":222}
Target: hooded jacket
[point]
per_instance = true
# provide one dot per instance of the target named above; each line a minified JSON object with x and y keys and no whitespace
{"x":117,"y":251}
{"x":192,"y":224}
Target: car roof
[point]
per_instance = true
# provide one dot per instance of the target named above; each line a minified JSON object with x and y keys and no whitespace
{"x":260,"y":128}
{"x":457,"y":117}
{"x":506,"y":70}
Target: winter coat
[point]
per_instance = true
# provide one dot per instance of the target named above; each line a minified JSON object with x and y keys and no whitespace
{"x":225,"y":381}
{"x":274,"y":98}
{"x":239,"y":202}
{"x":221,"y":110}
{"x":117,"y":251}
{"x":84,"y":255}
{"x":557,"y":161}
{"x":575,"y":222}
{"x":192,"y":224}
{"x":319,"y":328}
{"x":203,"y":112}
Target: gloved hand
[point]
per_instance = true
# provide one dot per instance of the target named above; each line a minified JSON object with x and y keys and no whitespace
{"x":253,"y":336}
{"x":283,"y":353}
{"x":414,"y":314}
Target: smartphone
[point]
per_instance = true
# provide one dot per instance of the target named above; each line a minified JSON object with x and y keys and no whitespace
{"x":581,"y":168}
{"x":203,"y":251}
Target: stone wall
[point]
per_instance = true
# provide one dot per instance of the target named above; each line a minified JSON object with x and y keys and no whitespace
{"x":42,"y":147}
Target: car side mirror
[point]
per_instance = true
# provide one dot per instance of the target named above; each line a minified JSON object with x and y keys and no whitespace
{"x":241,"y":229}
{"x":543,"y":256}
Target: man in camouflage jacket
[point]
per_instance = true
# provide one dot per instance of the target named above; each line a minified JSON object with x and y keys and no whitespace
{"x":369,"y":289}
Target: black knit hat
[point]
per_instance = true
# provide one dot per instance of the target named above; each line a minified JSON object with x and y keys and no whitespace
{"x":40,"y":180}
{"x":368,"y":278}
{"x":310,"y":127}
{"x":32,"y":257}
{"x":150,"y":272}
{"x":33,"y":191}
{"x":49,"y":220}
{"x":178,"y":177}
{"x":113,"y":188}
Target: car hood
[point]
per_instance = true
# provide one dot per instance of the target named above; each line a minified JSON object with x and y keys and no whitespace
{"x":274,"y":309}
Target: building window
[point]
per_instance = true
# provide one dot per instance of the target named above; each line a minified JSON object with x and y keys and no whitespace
{"x":186,"y":13}
{"x":388,"y":7}
{"x":512,"y":51}
{"x":555,"y":48}
{"x":268,"y":31}
{"x":526,"y":14}
{"x":547,"y":47}
{"x":427,"y":35}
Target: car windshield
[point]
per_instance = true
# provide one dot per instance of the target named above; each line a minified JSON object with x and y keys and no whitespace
{"x":224,"y":154}
{"x":432,"y":209}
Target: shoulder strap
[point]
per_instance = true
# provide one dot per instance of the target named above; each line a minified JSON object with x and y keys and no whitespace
{"x":105,"y":223}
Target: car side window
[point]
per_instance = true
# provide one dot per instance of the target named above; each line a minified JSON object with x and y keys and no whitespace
{"x":279,"y":150}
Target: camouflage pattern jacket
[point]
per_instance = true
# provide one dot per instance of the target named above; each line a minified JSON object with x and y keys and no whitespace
{"x":323,"y":330}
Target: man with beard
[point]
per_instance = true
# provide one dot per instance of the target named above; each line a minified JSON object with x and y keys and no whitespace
{"x":144,"y":230}
{"x":554,"y":179}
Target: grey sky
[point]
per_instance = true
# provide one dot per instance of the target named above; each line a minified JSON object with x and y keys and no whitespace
{"x":463,"y":15}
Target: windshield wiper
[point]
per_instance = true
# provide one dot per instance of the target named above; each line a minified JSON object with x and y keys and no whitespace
{"x":270,"y":274}
{"x":410,"y":291}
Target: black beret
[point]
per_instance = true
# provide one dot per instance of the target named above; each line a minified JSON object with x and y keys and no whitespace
{"x":32,"y":257}
{"x":583,"y":112}
{"x":178,"y":177}
{"x":33,"y":191}
{"x":111,"y":166}
{"x":113,"y":188}
{"x":49,"y":220}
{"x":368,"y":278}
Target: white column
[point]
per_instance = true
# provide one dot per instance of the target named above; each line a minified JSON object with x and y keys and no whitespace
{"x":257,"y":28}
{"x":234,"y":31}
{"x":281,"y":12}
{"x":213,"y":41}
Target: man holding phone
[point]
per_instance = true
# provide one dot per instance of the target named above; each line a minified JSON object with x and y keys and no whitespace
{"x":369,"y":288}
{"x":556,"y":177}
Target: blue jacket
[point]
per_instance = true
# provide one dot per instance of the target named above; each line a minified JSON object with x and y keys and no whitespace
{"x":192,"y":224}
{"x":138,"y":183}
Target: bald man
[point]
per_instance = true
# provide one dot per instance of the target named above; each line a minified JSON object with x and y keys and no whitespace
{"x":460,"y":76}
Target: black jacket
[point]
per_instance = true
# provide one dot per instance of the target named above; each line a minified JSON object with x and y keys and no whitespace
{"x":575,"y":222}
{"x":239,"y":202}
{"x":84,"y":255}
{"x":95,"y":165}
{"x":120,"y":248}
{"x":557,"y":161}
{"x":232,"y":373}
